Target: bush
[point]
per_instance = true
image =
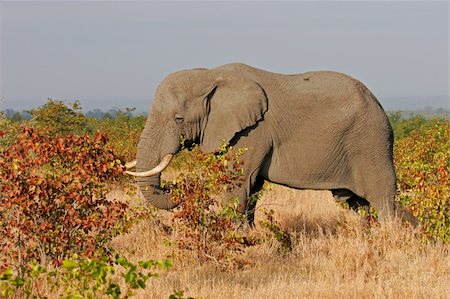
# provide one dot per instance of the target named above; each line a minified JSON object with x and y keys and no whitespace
{"x":216,"y":233}
{"x":52,"y":200}
{"x":82,"y":278}
{"x":423,"y":166}
{"x":124,"y":131}
{"x":57,"y":118}
{"x":403,"y":127}
{"x":8,"y":132}
{"x":53,"y":209}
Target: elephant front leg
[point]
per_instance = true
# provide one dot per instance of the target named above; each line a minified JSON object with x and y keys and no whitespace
{"x":248,"y":197}
{"x":252,"y":200}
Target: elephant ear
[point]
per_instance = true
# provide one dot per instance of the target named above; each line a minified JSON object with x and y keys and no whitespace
{"x":236,"y":103}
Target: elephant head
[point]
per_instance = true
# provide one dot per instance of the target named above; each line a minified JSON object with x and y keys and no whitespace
{"x":199,"y":105}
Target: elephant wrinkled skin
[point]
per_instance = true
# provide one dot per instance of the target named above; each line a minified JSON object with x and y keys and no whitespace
{"x":318,"y":130}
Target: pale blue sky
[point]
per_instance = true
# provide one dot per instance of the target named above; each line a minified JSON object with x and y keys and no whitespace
{"x":113,"y":54}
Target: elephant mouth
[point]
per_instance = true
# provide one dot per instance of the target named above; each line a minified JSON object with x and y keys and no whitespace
{"x":152,"y":172}
{"x":189,"y":144}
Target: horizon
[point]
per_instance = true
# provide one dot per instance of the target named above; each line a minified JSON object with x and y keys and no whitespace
{"x":393,"y":104}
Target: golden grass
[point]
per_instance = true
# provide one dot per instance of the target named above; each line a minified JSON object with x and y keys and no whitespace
{"x":334,"y":255}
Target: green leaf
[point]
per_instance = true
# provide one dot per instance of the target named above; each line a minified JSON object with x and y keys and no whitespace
{"x":130,"y":276}
{"x":69,"y":264}
{"x":168,"y":263}
{"x":7,"y":274}
{"x":141,"y":283}
{"x":122,"y":261}
{"x":6,"y":291}
{"x":113,"y":290}
{"x":18,"y":282}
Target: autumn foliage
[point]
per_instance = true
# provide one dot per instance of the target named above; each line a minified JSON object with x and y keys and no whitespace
{"x":213,"y":231}
{"x":52,"y":200}
{"x":423,"y":167}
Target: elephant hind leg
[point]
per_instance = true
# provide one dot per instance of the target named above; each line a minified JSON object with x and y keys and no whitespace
{"x":374,"y":180}
{"x":342,"y":194}
{"x":384,"y":202}
{"x":388,"y":209}
{"x":354,"y":201}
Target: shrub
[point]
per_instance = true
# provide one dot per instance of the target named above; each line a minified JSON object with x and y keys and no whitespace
{"x":124,"y":131}
{"x":216,"y":233}
{"x":52,"y":200}
{"x":82,"y":278}
{"x":8,"y":132}
{"x":404,"y":126}
{"x":274,"y":228}
{"x":57,"y":118}
{"x":423,"y":166}
{"x":4,"y":126}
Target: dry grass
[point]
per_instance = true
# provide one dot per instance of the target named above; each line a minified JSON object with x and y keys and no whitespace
{"x":334,"y":255}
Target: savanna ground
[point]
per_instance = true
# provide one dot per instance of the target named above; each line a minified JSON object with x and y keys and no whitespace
{"x":73,"y":225}
{"x":334,"y":254}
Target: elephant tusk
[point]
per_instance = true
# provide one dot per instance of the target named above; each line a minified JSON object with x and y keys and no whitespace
{"x":160,"y":167}
{"x":130,"y":164}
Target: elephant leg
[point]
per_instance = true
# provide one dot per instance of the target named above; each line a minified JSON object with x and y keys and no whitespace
{"x":384,"y":205}
{"x":374,"y":180}
{"x":388,"y":209}
{"x":379,"y":195}
{"x":354,"y":201}
{"x":342,"y":194}
{"x":247,"y":195}
{"x":251,"y":201}
{"x":380,"y":191}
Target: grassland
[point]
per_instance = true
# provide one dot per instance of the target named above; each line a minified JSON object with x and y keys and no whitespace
{"x":334,"y":255}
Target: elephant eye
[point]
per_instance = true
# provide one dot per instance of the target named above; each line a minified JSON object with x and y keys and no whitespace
{"x":179,"y":118}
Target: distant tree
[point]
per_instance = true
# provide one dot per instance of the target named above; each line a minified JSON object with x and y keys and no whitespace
{"x":16,"y":117}
{"x":112,"y":112}
{"x":96,"y":113}
{"x":26,"y":115}
{"x":107,"y":115}
{"x":9,"y":113}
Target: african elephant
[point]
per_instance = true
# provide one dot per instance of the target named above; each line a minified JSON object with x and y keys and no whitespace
{"x":318,"y":130}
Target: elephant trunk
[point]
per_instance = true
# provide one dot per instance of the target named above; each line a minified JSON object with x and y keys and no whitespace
{"x":149,"y":156}
{"x":153,"y":193}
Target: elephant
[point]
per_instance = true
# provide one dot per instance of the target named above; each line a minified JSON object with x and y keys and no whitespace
{"x":320,"y":130}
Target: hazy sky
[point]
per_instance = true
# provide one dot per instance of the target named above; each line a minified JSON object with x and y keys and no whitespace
{"x":113,"y":54}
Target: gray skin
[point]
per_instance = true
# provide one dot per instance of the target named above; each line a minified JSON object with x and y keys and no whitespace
{"x":317,"y":130}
